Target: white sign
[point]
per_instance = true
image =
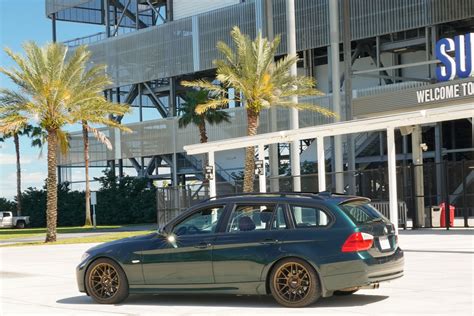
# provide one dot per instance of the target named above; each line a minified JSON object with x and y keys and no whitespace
{"x":93,"y":197}
{"x":445,"y":93}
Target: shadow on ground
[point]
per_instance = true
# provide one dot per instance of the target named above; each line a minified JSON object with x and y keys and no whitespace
{"x":228,"y":301}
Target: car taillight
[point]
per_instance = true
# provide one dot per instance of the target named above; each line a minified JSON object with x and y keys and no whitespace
{"x":358,"y":242}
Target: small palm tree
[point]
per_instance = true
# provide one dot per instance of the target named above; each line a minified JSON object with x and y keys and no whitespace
{"x":51,"y":89}
{"x":189,"y":115}
{"x":90,"y":113}
{"x":25,"y":130}
{"x":252,"y":72}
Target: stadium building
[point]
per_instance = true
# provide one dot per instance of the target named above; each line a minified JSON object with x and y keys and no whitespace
{"x":404,"y":57}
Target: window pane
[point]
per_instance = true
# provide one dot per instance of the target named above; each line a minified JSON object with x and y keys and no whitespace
{"x":279,"y":222}
{"x":202,"y":222}
{"x":305,"y":216}
{"x":250,"y":218}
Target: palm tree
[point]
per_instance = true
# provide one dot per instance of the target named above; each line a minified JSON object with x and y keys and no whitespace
{"x":211,"y":116}
{"x":86,"y":114}
{"x":252,"y":72}
{"x":25,"y":130}
{"x":51,"y":89}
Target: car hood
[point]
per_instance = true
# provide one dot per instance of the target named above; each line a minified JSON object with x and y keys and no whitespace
{"x":111,"y":244}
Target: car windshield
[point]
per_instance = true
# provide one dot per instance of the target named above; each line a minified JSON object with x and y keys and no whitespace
{"x":361,"y":212}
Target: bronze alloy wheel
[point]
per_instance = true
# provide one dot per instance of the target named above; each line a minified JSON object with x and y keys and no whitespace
{"x":294,"y":283}
{"x":106,"y":282}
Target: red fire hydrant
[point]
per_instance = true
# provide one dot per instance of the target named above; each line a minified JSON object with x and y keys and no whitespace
{"x":443,"y":215}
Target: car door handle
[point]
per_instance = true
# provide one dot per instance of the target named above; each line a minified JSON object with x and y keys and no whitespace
{"x":203,"y":245}
{"x":269,"y":241}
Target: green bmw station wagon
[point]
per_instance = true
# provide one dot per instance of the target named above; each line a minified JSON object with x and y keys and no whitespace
{"x":297,"y":247}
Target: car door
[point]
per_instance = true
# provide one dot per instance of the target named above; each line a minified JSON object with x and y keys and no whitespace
{"x":247,"y":242}
{"x":184,"y":256}
{"x":7,"y":220}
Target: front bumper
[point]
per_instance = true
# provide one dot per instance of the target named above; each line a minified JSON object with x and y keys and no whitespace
{"x":364,"y":271}
{"x":80,"y":276}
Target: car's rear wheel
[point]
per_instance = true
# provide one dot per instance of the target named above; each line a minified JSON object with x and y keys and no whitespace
{"x":294,"y":283}
{"x":106,"y":282}
{"x":20,"y":224}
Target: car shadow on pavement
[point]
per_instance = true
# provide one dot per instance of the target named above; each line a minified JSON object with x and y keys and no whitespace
{"x":228,"y":300}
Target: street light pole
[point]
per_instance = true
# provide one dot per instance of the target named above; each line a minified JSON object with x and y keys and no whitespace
{"x":294,"y":115}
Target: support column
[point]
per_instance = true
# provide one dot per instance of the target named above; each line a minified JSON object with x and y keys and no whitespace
{"x":172,"y":111}
{"x":438,"y":162}
{"x":212,"y":182}
{"x":348,"y":93}
{"x":261,"y":177}
{"x":294,"y":120}
{"x":392,"y":177}
{"x":417,"y":158}
{"x":272,"y":112}
{"x":107,"y":18}
{"x":53,"y":26}
{"x":321,"y":164}
{"x":336,"y":96}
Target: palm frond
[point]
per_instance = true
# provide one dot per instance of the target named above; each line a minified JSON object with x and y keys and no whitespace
{"x":101,"y":137}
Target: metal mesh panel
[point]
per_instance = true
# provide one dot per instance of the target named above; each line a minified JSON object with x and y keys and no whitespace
{"x":92,"y":11}
{"x":156,"y":137}
{"x":54,"y":6}
{"x":216,"y":25}
{"x":156,"y":52}
{"x":167,"y":50}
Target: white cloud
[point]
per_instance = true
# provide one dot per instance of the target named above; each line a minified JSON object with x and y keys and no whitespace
{"x":10,"y":159}
{"x":28,"y":179}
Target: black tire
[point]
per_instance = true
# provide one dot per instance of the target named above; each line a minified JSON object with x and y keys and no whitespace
{"x":294,"y":283}
{"x":345,"y":293}
{"x":106,"y":282}
{"x":20,"y":224}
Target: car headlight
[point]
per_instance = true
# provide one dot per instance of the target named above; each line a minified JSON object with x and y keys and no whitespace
{"x":85,"y":256}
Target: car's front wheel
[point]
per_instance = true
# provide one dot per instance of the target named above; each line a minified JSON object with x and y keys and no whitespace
{"x":294,"y":283}
{"x":106,"y":282}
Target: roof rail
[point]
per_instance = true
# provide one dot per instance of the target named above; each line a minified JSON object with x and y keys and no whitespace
{"x":315,"y":195}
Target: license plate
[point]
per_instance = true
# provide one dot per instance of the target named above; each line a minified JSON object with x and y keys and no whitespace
{"x":384,"y":243}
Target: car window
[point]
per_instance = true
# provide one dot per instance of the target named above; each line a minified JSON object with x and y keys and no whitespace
{"x":250,"y":218}
{"x":202,"y":222}
{"x":361,"y":212}
{"x":6,"y":214}
{"x":307,"y":216}
{"x":279,"y":221}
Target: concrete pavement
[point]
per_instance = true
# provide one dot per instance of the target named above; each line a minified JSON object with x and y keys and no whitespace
{"x":438,"y":281}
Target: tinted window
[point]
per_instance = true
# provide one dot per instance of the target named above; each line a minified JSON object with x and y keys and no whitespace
{"x":307,"y":216}
{"x":6,"y":214}
{"x":203,"y":222}
{"x":250,"y":218}
{"x":361,"y":212}
{"x":279,"y":222}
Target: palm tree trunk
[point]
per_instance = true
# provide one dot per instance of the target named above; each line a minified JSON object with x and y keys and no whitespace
{"x":203,"y":134}
{"x":249,"y":171}
{"x":51,"y":187}
{"x":85,"y":136}
{"x":16,"y":140}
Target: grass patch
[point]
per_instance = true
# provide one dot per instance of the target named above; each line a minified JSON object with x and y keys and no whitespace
{"x":83,"y":240}
{"x":32,"y":232}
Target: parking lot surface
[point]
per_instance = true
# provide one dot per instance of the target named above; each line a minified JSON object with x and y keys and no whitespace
{"x":439,"y":280}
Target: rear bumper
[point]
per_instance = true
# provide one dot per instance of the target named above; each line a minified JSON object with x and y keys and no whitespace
{"x":364,"y":271}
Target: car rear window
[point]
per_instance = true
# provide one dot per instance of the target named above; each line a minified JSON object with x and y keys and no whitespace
{"x":361,"y":212}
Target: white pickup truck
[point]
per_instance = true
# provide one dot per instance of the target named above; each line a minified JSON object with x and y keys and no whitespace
{"x":7,"y":220}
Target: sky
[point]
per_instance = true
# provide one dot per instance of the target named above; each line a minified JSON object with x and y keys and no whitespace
{"x":22,"y":21}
